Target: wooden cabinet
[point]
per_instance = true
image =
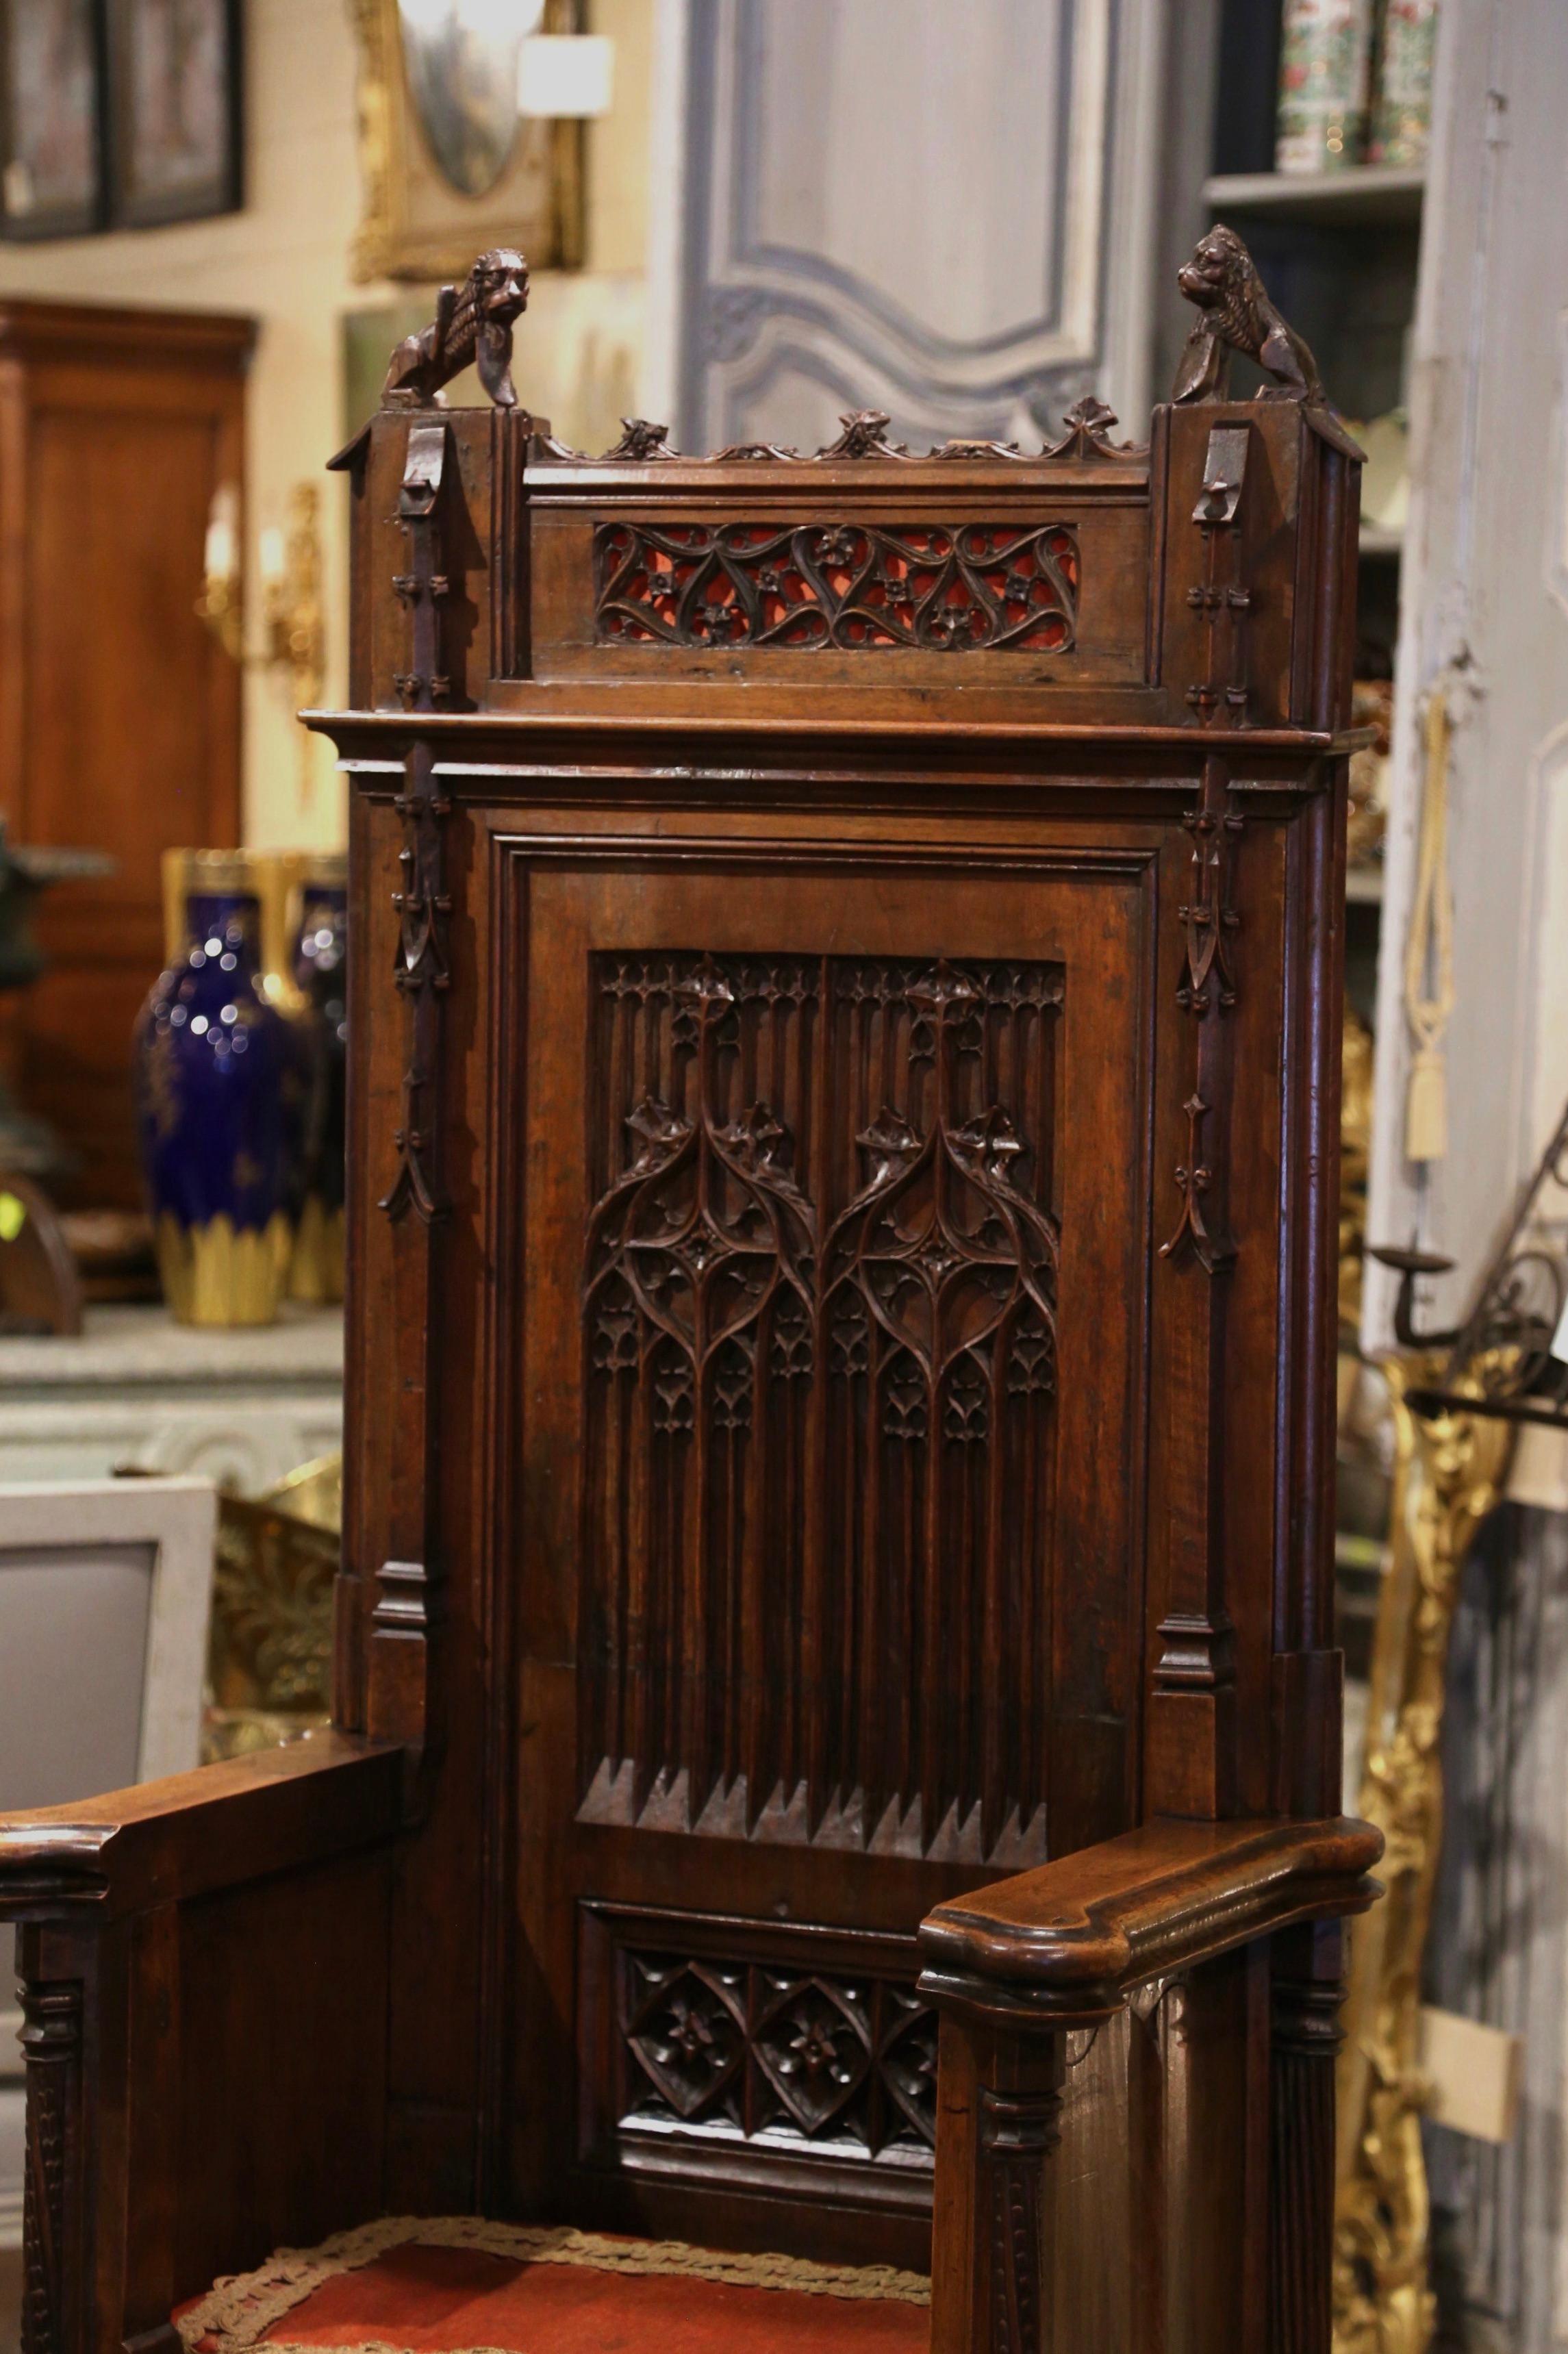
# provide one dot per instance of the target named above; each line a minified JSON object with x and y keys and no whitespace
{"x":119,"y":712}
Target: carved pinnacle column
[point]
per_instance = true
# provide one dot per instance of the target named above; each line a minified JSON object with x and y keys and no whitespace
{"x":1191,"y":1739}
{"x":51,"y":2045}
{"x":406,"y":1590}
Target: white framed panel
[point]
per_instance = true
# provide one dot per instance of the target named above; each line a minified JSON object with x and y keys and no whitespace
{"x":946,"y":213}
{"x":140,"y":1553}
{"x":105,"y":1605}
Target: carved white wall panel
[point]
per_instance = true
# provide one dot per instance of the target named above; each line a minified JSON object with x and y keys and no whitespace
{"x":1549,"y":910}
{"x":1482,"y":590}
{"x":943,"y":211}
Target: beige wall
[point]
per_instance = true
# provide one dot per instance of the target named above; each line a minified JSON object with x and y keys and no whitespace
{"x":286,"y":259}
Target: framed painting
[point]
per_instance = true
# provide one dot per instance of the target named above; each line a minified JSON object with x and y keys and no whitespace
{"x":447,"y":165}
{"x":175,"y":124}
{"x":51,"y":125}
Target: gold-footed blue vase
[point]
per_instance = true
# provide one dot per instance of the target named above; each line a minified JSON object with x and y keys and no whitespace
{"x":318,"y":959}
{"x":213,"y":1058}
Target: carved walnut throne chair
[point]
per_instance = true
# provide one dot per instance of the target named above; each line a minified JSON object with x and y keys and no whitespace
{"x":835,"y":1774}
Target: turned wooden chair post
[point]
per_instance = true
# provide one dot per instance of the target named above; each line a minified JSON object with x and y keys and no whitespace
{"x":1308,"y":1987}
{"x":999,"y":2122}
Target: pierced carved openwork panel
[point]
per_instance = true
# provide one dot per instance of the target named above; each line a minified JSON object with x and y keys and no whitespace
{"x":819,"y":1298}
{"x":948,"y":589}
{"x":749,"y":2050}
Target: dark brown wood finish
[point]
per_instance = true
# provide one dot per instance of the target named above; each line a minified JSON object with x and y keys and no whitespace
{"x":841,"y":1287}
{"x":116,"y":428}
{"x":1192,"y":2179}
{"x":207,"y":1948}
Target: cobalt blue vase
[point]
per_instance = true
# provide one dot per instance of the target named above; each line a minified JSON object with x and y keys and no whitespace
{"x":212,"y":1062}
{"x":320,"y":963}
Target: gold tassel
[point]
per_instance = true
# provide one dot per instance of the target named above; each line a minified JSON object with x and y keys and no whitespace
{"x":1426,"y":1107}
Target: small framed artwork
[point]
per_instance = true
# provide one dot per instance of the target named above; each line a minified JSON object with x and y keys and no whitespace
{"x":51,"y":119}
{"x":176,"y":122}
{"x":447,"y":165}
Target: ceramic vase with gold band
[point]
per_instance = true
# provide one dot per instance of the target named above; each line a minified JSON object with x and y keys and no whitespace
{"x":213,"y":1060}
{"x":320,"y":967}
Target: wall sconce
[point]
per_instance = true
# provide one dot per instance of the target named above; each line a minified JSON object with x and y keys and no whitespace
{"x":293,"y":642}
{"x":220,"y":602}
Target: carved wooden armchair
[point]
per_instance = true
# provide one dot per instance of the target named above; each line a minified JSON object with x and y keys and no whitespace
{"x":836,"y":1716}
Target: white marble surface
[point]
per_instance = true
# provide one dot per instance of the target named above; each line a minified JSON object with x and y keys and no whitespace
{"x":143,"y":1344}
{"x":138,"y":1392}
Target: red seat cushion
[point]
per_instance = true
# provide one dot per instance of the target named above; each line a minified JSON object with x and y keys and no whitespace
{"x":535,"y":2291}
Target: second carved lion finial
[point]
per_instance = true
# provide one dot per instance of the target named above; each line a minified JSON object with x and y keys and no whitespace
{"x":1235,"y":315}
{"x":472,"y":323}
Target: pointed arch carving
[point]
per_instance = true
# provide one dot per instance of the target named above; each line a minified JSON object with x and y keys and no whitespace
{"x":819,"y":1302}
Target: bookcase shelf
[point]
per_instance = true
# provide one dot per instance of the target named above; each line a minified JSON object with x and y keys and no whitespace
{"x":1363,"y":195}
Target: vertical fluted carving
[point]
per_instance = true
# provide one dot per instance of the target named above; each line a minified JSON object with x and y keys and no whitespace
{"x":1018,"y":2134}
{"x":820,"y":1286}
{"x":51,"y":2044}
{"x":1306,"y":2038}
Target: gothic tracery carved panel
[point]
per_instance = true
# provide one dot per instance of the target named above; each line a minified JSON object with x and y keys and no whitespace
{"x":948,"y":589}
{"x":820,"y":1343}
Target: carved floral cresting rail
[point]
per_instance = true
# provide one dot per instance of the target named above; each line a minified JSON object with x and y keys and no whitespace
{"x":819,"y":1303}
{"x":968,"y":587}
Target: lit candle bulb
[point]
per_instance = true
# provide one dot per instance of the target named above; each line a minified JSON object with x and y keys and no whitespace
{"x":221,"y":557}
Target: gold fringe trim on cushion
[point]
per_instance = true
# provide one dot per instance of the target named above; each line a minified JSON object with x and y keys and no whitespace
{"x":237,"y":2313}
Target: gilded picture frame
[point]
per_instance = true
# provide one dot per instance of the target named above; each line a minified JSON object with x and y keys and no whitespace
{"x":416,"y":225}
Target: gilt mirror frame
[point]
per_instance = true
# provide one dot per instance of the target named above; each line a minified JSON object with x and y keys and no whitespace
{"x":415,"y":225}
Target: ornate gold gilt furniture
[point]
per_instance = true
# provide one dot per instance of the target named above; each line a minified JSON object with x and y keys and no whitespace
{"x":843,"y":1116}
{"x":1460,"y":1399}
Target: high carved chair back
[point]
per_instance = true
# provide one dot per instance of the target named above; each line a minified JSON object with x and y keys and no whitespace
{"x":841,"y":1303}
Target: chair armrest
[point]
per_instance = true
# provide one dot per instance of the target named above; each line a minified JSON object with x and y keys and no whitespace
{"x":1130,"y":2054}
{"x":1070,"y":1941}
{"x":204,"y":1978}
{"x":191,"y":1834}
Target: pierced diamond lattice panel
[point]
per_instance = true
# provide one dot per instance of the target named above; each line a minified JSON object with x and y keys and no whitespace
{"x":686,"y":2029}
{"x":754,"y":2050}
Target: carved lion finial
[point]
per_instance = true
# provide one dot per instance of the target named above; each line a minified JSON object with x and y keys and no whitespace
{"x":1234,"y":315}
{"x":475,"y":323}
